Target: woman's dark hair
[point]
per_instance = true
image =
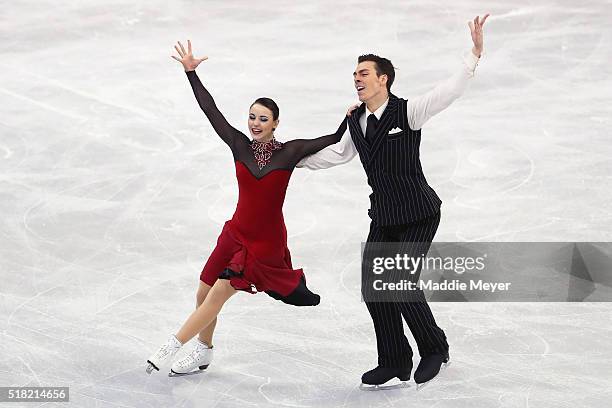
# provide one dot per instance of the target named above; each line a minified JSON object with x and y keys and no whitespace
{"x":383,"y":66}
{"x":270,"y":104}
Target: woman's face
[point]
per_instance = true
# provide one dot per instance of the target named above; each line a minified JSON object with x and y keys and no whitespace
{"x":261,"y":123}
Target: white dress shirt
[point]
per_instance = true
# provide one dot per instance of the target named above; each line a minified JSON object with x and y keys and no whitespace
{"x":363,"y":120}
{"x":419,"y":110}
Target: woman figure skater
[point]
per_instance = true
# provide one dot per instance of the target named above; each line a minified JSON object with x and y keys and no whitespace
{"x":251,"y":253}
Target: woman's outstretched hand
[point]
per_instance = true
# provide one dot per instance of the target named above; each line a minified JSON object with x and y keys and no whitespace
{"x":189,"y":62}
{"x":352,"y":108}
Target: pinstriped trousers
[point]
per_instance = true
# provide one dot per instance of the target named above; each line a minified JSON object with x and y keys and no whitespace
{"x":392,"y":344}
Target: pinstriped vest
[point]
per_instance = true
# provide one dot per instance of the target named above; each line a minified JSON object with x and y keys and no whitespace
{"x":400,"y":193}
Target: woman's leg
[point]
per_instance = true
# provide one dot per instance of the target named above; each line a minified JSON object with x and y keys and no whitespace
{"x":205,"y":335}
{"x":204,"y":315}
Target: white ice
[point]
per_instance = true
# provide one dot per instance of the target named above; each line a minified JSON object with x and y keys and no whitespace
{"x":114,"y":188}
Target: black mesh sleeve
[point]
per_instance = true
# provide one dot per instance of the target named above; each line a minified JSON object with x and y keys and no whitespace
{"x":306,"y":147}
{"x":225,"y":131}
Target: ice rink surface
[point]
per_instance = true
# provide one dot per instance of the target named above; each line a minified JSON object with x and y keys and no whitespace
{"x":114,"y":189}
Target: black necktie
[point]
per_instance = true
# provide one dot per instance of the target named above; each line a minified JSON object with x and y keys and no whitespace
{"x":371,"y":127}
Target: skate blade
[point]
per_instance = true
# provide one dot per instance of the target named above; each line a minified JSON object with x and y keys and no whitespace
{"x":173,"y":374}
{"x":151,"y":367}
{"x":444,"y":366}
{"x":368,"y":387}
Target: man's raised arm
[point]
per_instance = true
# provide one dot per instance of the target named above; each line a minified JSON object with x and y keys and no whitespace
{"x":422,"y":108}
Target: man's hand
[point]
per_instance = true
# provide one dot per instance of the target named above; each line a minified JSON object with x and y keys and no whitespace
{"x":187,"y":59}
{"x":476,"y":30}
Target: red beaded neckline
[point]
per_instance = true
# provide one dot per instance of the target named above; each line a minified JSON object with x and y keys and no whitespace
{"x":263,"y":151}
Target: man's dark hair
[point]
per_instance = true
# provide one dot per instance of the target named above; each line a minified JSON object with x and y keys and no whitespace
{"x":383,"y":66}
{"x":270,"y":104}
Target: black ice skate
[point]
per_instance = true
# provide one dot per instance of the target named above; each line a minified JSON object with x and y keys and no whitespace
{"x":377,"y":379}
{"x":429,"y":367}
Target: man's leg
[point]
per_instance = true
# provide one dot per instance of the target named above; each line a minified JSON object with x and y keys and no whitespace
{"x":393,"y":348}
{"x":392,"y":344}
{"x":429,"y":337}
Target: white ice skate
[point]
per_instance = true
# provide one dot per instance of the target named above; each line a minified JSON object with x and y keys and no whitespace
{"x":163,"y":354}
{"x":195,"y":362}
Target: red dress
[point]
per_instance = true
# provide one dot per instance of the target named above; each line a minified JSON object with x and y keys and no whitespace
{"x":252,"y":248}
{"x":254,"y":241}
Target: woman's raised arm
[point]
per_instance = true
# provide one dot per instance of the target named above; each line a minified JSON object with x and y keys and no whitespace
{"x":205,"y":100}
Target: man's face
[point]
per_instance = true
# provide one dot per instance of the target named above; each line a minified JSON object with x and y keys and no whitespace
{"x":367,"y":83}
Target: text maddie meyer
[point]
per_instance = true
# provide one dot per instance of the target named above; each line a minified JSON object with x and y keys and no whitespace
{"x":454,"y":285}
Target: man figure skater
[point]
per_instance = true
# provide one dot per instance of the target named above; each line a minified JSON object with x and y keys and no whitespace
{"x":386,"y":132}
